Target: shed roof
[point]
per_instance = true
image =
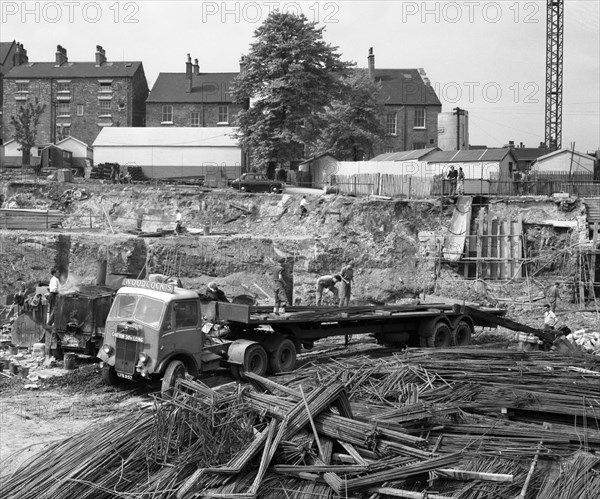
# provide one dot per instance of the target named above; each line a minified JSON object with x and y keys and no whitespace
{"x":496,"y":154}
{"x":415,"y":154}
{"x":405,"y":86}
{"x":206,"y":87}
{"x":71,"y":139}
{"x":564,"y":151}
{"x":527,"y":153}
{"x":166,"y":137}
{"x":317,"y":156}
{"x":69,"y":69}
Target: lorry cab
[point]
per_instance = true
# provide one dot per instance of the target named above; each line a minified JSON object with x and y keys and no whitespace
{"x":155,"y":329}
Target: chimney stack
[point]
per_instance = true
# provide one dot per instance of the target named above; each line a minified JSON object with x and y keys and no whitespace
{"x":21,"y":55}
{"x":100,"y":55}
{"x":188,"y":73}
{"x":511,"y":144}
{"x":242,"y":63}
{"x":196,"y":67}
{"x":371,"y":59}
{"x":61,"y":56}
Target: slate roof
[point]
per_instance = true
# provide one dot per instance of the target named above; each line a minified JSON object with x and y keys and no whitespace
{"x":167,"y":137}
{"x":413,"y":155}
{"x":496,"y":154}
{"x":207,"y":87}
{"x":69,"y":69}
{"x":5,"y":50}
{"x":527,"y":153}
{"x":405,"y":86}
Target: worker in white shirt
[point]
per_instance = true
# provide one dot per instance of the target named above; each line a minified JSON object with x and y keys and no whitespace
{"x":303,"y":207}
{"x":178,"y":218}
{"x":550,"y":319}
{"x":52,"y":295}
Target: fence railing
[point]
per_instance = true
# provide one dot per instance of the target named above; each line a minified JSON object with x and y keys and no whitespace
{"x":413,"y":187}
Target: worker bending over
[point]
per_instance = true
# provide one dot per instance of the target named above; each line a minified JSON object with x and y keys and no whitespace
{"x":347,"y":275}
{"x":327,"y":282}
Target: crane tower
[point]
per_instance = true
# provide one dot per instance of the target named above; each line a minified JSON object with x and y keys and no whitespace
{"x":554,"y":73}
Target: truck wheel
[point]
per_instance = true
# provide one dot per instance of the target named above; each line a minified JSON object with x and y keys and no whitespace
{"x":243,"y":188}
{"x":255,"y":361}
{"x":439,"y":338}
{"x":109,"y":375}
{"x":283,"y":359}
{"x":274,"y":189}
{"x":461,"y":335}
{"x":175,"y":370}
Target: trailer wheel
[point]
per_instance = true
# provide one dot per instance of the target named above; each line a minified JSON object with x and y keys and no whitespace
{"x":109,"y":375}
{"x":283,"y":359}
{"x":439,"y":338}
{"x":255,"y":361}
{"x":175,"y":370}
{"x":461,"y":335}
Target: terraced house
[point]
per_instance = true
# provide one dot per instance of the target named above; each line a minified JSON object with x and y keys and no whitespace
{"x":81,"y":97}
{"x":11,"y":54}
{"x":192,"y":99}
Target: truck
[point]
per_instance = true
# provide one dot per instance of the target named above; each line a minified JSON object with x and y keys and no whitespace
{"x":158,"y":330}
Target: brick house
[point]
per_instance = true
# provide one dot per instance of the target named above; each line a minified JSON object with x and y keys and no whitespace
{"x":11,"y":54}
{"x":412,"y":108}
{"x":81,"y":97}
{"x":192,"y":99}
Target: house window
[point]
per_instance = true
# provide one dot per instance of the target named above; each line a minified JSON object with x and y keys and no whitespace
{"x":63,"y":109}
{"x":105,"y":87}
{"x":388,"y":150}
{"x":223,"y":114}
{"x":80,"y":109}
{"x":167,"y":114}
{"x":419,"y":117}
{"x":104,"y":107}
{"x":63,"y":87}
{"x":391,"y":124}
{"x":195,"y":119}
{"x":22,"y":87}
{"x":419,"y":145}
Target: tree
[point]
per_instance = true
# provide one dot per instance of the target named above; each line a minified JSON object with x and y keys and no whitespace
{"x":25,"y":124}
{"x":289,"y":76}
{"x":354,"y":122}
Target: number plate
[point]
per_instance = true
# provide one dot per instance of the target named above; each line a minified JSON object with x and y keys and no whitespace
{"x":207,"y":327}
{"x":126,"y":376}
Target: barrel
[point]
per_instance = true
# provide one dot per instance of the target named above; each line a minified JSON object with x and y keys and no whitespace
{"x":39,"y":350}
{"x":207,"y":230}
{"x":70,"y":361}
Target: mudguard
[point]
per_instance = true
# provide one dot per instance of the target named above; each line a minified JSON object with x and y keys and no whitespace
{"x":237,"y":351}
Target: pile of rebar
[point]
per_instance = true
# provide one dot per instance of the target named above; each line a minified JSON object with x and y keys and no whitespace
{"x":464,"y":423}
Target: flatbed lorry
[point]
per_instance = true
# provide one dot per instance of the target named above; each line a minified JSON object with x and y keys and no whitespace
{"x":158,"y":330}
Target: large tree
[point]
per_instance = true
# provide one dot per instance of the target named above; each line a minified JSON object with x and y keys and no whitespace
{"x":354,"y":122}
{"x":289,"y":76}
{"x":25,"y":124}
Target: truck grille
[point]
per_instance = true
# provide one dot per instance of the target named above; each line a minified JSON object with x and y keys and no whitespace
{"x":127,"y":351}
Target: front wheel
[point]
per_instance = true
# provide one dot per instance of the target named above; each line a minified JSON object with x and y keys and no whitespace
{"x":255,"y":361}
{"x":461,"y":336}
{"x":109,"y":375}
{"x":274,"y":189}
{"x":175,"y":370}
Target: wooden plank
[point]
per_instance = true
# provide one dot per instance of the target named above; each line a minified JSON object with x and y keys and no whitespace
{"x":517,"y":247}
{"x":503,"y":248}
{"x":593,"y":258}
{"x":494,"y":243}
{"x":480,"y":231}
{"x":488,"y":242}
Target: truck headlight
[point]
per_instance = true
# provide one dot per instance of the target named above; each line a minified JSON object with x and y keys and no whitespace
{"x":143,"y":358}
{"x":107,"y":349}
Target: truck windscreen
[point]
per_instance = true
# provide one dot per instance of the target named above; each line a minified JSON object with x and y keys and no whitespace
{"x":142,"y":308}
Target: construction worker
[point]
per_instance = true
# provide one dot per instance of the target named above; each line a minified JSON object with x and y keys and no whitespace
{"x":214,"y":293}
{"x":347,"y":275}
{"x":327,"y":282}
{"x":552,"y":295}
{"x":52,"y":295}
{"x":178,"y":218}
{"x":303,"y":207}
{"x":550,"y":319}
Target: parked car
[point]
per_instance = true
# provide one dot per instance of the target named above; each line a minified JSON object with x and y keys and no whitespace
{"x":256,"y":182}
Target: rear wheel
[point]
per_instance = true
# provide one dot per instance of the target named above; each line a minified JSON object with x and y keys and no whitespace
{"x":283,"y":359}
{"x":255,"y":361}
{"x":109,"y":375}
{"x":439,"y":338}
{"x":175,"y":370}
{"x":461,"y":335}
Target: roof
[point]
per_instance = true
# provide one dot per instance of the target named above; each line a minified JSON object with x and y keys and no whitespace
{"x":72,"y":139}
{"x":206,"y":87}
{"x":496,"y":154}
{"x":405,"y":86}
{"x":564,"y":151}
{"x":74,"y":70}
{"x":317,"y":156}
{"x":527,"y":153}
{"x":5,"y":48}
{"x":415,"y":154}
{"x":166,"y":137}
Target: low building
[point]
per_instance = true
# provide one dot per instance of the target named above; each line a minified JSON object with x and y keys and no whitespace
{"x":212,"y":153}
{"x":13,"y":157}
{"x":316,"y":171}
{"x":565,"y":161}
{"x":83,"y":155}
{"x":11,"y":54}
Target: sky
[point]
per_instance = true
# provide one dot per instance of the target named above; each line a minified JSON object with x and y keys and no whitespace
{"x":487,"y":57}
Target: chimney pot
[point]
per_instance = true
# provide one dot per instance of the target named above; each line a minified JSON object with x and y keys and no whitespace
{"x":196,"y":67}
{"x":100,"y":55}
{"x":188,"y":73}
{"x":61,"y":55}
{"x":371,"y":60}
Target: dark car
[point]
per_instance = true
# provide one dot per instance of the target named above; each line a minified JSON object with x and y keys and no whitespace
{"x":256,"y":182}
